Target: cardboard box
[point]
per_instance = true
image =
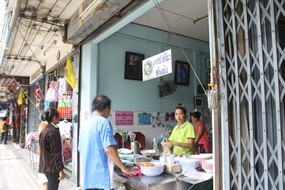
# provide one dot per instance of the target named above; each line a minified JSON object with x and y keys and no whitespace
{"x":174,"y":168}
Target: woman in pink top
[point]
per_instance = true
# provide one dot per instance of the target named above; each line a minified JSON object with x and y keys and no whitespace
{"x":202,"y":141}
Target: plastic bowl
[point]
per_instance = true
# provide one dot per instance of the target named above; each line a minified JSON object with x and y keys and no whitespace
{"x":149,"y":152}
{"x":129,"y":157}
{"x":154,"y":170}
{"x":207,"y":165}
{"x":124,"y":151}
{"x":199,"y":158}
{"x":188,"y":164}
{"x":207,"y":154}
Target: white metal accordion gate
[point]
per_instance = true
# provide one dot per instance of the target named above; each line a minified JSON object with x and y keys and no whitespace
{"x":251,"y":66}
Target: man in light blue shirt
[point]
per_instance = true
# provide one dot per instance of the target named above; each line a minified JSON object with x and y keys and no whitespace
{"x":96,"y":147}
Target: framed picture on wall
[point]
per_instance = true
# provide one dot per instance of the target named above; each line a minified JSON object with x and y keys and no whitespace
{"x":208,"y":77}
{"x":198,"y":102}
{"x":200,"y":89}
{"x":133,"y":66}
{"x":182,"y":72}
{"x":207,"y":63}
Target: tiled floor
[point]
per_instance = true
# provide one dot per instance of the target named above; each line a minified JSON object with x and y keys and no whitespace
{"x":17,"y":172}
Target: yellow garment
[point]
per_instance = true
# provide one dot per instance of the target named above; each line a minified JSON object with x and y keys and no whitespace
{"x":20,"y":97}
{"x":2,"y":122}
{"x":182,"y":135}
{"x":70,"y":74}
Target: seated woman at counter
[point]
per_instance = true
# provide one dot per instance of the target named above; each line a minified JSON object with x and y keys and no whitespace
{"x":183,"y":135}
{"x":202,"y":142}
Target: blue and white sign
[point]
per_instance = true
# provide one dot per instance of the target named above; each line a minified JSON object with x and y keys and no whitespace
{"x":157,"y":65}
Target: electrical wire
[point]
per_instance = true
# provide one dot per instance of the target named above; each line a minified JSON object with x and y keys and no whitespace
{"x":35,"y":24}
{"x":33,"y":54}
{"x":24,"y":42}
{"x":21,"y":88}
{"x":52,"y":8}
{"x":21,"y":49}
{"x":50,"y":28}
{"x":25,"y":39}
{"x":64,"y":8}
{"x":40,"y":63}
{"x":30,"y":45}
{"x":13,"y":65}
{"x":28,"y":34}
{"x":42,"y":43}
{"x":178,"y":42}
{"x":12,"y":47}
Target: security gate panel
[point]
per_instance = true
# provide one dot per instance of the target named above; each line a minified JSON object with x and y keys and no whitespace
{"x":251,"y":38}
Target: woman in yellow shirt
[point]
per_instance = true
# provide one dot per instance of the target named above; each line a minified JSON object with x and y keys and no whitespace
{"x":4,"y":128}
{"x":182,"y":137}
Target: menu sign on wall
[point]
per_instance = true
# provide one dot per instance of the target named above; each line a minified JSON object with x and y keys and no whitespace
{"x":124,"y":118}
{"x":157,"y":65}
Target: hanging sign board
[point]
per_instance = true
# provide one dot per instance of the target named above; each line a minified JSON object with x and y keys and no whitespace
{"x":157,"y":65}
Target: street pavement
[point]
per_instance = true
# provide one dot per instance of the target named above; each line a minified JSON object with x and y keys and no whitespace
{"x":18,"y":172}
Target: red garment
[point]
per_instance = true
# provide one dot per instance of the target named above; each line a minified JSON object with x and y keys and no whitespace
{"x":204,"y":139}
{"x":38,"y":92}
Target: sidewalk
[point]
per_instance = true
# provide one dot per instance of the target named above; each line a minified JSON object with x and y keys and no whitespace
{"x":17,"y":173}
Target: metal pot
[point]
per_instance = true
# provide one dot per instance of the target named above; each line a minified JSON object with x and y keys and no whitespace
{"x":135,"y":146}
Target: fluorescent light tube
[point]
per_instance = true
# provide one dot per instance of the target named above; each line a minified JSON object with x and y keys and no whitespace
{"x":93,"y":6}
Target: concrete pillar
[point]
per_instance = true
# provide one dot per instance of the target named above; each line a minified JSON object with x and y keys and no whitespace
{"x":89,"y":77}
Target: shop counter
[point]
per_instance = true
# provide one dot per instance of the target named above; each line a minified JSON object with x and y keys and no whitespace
{"x":165,"y":181}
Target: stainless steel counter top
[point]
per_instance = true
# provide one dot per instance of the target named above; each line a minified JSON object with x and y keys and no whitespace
{"x":164,"y":181}
{"x":148,"y":181}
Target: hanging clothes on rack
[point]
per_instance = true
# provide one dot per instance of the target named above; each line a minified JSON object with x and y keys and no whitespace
{"x":46,"y":105}
{"x":64,"y":106}
{"x":52,"y":91}
{"x":65,"y":128}
{"x":62,"y":87}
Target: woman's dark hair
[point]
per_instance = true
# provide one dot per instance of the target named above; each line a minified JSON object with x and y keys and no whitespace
{"x":49,"y":114}
{"x":196,"y":114}
{"x":182,"y":107}
{"x":100,"y":103}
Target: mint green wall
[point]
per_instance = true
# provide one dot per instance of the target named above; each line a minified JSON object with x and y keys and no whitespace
{"x":143,"y":96}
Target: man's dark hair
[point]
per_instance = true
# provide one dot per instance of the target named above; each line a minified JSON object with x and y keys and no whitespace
{"x":49,"y":114}
{"x":100,"y":103}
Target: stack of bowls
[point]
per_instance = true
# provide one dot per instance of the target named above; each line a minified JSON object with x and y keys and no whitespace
{"x":200,"y":157}
{"x":188,"y":164}
{"x":207,"y":165}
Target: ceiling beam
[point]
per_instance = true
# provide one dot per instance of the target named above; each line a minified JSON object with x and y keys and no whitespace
{"x":127,"y":16}
{"x":79,"y":29}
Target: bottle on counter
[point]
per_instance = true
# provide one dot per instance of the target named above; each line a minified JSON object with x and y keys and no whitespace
{"x":155,"y":156}
{"x":154,"y":146}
